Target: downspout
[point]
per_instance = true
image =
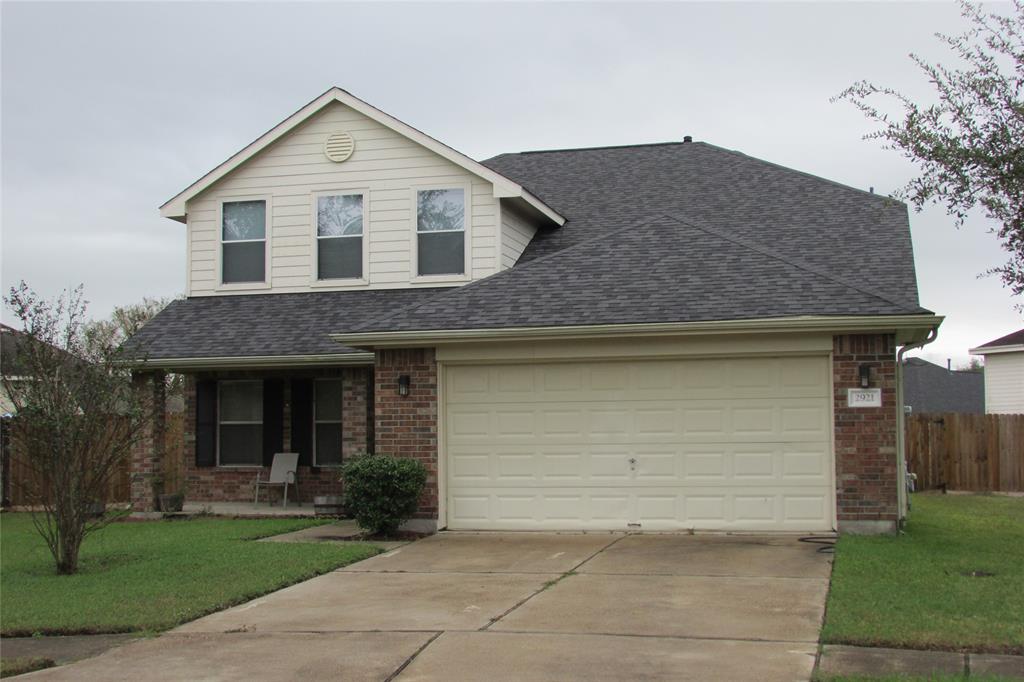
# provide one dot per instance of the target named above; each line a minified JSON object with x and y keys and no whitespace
{"x":901,"y":418}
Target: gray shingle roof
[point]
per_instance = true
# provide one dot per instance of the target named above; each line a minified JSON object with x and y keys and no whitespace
{"x":656,"y":233}
{"x":667,"y":270}
{"x":849,"y":232}
{"x":931,"y":388}
{"x":265,"y":324}
{"x":1011,"y":339}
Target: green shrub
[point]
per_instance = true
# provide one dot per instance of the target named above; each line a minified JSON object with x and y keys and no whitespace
{"x":382,"y":491}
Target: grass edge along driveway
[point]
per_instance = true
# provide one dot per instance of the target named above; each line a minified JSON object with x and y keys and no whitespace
{"x":915,"y":590}
{"x":151,"y":576}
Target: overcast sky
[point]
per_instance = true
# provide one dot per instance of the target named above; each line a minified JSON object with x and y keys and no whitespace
{"x":110,"y":109}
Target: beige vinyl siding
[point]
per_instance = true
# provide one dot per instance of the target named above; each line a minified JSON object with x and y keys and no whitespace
{"x":385,"y":164}
{"x":1004,"y":383}
{"x":516,"y":233}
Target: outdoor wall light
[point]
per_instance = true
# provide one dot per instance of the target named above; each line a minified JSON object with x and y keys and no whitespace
{"x":865,"y":375}
{"x":403,"y":384}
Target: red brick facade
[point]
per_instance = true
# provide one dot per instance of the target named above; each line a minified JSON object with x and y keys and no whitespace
{"x":406,"y":426}
{"x":234,"y":484}
{"x":148,"y":451}
{"x":865,"y":438}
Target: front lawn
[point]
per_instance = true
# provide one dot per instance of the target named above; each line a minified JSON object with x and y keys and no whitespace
{"x":915,"y":590}
{"x":153,"y":575}
{"x":914,"y":678}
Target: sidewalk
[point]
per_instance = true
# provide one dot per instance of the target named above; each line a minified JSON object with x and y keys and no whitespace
{"x":869,"y":661}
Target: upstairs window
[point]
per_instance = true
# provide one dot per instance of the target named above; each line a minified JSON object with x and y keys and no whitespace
{"x":240,"y":423}
{"x":243,"y":241}
{"x":441,"y":231}
{"x":339,"y":236}
{"x":327,"y":422}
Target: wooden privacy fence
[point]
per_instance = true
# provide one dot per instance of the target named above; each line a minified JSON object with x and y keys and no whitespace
{"x":15,"y":470}
{"x":977,"y":452}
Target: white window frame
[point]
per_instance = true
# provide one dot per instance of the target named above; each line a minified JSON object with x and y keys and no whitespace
{"x":339,"y":421}
{"x":267,"y":248}
{"x":346,"y":282}
{"x":220,"y":383}
{"x":467,"y":223}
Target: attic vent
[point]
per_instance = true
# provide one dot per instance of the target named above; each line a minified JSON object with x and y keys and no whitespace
{"x":339,"y":147}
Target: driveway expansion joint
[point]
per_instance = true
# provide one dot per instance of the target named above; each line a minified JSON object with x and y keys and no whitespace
{"x":408,"y":661}
{"x":551,"y":583}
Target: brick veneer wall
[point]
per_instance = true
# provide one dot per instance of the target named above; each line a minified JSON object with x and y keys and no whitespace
{"x":406,"y":426}
{"x":215,"y":484}
{"x":865,"y":438}
{"x":148,"y":450}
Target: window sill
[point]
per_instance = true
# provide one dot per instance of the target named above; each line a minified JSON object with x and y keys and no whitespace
{"x":240,"y":466}
{"x":244,"y":286}
{"x":339,"y":283}
{"x":440,"y":279}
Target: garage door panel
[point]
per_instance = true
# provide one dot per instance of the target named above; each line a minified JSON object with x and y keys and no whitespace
{"x":654,"y":380}
{"x":641,"y":464}
{"x":749,"y":420}
{"x":738,"y":443}
{"x":655,"y":509}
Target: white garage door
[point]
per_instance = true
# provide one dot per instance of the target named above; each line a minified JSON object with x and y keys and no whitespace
{"x":739,"y":444}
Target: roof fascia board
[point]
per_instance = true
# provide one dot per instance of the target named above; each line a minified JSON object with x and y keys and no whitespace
{"x":502,"y":187}
{"x":993,"y":350}
{"x":255,"y":361}
{"x":910,"y":327}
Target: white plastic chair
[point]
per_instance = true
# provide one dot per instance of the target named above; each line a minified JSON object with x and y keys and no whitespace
{"x":282,"y":473}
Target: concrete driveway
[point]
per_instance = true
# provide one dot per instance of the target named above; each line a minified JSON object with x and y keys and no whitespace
{"x":459,"y":606}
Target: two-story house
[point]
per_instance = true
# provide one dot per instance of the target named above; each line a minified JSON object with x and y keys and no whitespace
{"x":661,"y":336}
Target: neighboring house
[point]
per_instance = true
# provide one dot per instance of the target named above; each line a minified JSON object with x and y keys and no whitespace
{"x":11,"y":370}
{"x":660,"y":336}
{"x":928,"y":387}
{"x":1004,"y":373}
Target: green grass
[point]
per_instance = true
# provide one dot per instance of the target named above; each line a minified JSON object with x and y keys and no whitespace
{"x":9,"y":667}
{"x":150,"y":576}
{"x":909,"y":591}
{"x":913,"y":678}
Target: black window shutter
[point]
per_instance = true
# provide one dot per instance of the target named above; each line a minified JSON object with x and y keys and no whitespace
{"x":206,"y":423}
{"x":302,"y":420}
{"x":273,"y":419}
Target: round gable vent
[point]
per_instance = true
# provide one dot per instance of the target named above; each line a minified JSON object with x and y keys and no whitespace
{"x":339,"y":147}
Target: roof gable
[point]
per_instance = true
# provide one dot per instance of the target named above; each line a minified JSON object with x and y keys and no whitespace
{"x":175,"y":207}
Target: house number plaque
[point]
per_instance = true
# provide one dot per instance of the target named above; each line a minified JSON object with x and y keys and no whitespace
{"x":863,"y":397}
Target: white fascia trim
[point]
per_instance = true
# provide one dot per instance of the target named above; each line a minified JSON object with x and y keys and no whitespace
{"x":993,"y":350}
{"x":912,"y":325}
{"x":175,"y":208}
{"x":257,"y":361}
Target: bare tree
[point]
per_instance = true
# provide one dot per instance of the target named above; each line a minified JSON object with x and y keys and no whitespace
{"x":77,"y":417}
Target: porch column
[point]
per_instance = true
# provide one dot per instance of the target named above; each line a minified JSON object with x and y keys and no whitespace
{"x":147,"y":458}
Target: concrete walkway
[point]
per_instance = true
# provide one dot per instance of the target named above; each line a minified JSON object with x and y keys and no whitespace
{"x":532,"y":606}
{"x":878,"y":662}
{"x":346,"y":531}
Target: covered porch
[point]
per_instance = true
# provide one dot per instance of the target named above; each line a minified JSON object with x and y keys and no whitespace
{"x":235,"y":421}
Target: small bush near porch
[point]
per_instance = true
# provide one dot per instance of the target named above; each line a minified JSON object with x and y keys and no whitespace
{"x":954,"y":580}
{"x":150,"y":576}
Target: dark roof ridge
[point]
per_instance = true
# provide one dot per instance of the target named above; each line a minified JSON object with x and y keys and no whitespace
{"x":772,"y":253}
{"x":806,"y":174}
{"x":589,"y":149}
